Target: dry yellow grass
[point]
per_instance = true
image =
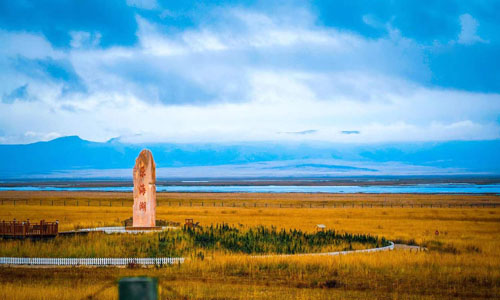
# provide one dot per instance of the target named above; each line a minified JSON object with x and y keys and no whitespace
{"x":462,"y":261}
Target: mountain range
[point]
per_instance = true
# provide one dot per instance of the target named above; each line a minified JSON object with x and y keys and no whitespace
{"x":67,"y":156}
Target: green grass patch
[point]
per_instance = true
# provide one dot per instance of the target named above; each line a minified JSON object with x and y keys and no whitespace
{"x":192,"y":242}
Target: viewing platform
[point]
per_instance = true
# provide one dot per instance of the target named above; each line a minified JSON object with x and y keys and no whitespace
{"x":23,"y":229}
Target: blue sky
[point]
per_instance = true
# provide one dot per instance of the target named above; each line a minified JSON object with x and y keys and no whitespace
{"x":241,"y":71}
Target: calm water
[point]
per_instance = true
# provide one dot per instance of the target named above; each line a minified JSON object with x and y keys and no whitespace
{"x":452,"y":188}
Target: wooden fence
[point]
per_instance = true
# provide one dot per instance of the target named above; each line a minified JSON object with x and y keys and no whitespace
{"x":249,"y":204}
{"x":27,"y":229}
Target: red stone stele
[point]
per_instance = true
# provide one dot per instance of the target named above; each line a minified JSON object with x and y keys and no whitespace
{"x":144,"y":209}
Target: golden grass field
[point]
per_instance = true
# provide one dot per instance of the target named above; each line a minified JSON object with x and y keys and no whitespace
{"x":60,"y":198}
{"x":463,"y":261}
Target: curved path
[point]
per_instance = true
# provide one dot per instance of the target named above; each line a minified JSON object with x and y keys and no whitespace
{"x":386,"y":248}
{"x":41,"y":261}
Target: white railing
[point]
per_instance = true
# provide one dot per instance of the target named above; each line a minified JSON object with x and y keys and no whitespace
{"x":386,"y":248}
{"x":102,"y":261}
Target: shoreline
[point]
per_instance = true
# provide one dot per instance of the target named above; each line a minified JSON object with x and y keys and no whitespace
{"x":354,"y":181}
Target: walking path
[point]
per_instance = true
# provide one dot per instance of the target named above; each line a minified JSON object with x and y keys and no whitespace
{"x":158,"y":261}
{"x":386,"y":248}
{"x":409,"y":247}
{"x":119,"y":229}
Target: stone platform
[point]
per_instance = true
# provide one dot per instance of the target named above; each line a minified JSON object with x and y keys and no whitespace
{"x":132,"y":228}
{"x":120,"y":229}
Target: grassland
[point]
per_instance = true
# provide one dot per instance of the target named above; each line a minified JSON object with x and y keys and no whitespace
{"x":196,"y":242}
{"x":305,"y":200}
{"x":462,"y":261}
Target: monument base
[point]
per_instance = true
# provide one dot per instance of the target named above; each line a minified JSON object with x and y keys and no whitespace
{"x":144,"y":228}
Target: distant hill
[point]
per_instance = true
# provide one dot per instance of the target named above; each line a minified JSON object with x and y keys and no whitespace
{"x":73,"y":153}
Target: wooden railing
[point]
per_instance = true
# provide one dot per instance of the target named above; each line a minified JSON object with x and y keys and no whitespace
{"x":27,"y":229}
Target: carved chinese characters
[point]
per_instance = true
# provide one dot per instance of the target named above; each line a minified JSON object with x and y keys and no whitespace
{"x":144,"y":210}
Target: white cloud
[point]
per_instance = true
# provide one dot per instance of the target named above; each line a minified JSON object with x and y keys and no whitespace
{"x":253,"y":31}
{"x":30,"y":135}
{"x":199,"y":41}
{"x":468,"y":34}
{"x":144,"y":4}
{"x":423,"y":116}
{"x":28,"y":45}
{"x":264,"y":76}
{"x":84,"y":39}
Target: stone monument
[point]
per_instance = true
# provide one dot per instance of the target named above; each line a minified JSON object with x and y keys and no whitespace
{"x":144,"y":214}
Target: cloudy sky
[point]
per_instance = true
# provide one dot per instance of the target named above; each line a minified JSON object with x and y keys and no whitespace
{"x":230,"y":71}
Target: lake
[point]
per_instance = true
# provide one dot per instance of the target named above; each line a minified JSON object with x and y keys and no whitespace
{"x":450,"y":188}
